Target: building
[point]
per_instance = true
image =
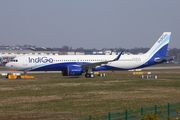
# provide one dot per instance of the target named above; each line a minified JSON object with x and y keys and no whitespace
{"x":9,"y":52}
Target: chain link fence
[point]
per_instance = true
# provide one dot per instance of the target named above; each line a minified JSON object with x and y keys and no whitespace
{"x":167,"y":111}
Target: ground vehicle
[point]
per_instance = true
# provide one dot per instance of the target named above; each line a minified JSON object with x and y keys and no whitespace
{"x":18,"y":76}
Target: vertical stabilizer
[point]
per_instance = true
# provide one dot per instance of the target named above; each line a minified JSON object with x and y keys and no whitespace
{"x":159,"y":49}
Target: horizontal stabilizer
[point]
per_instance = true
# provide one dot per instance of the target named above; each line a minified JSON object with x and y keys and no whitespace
{"x":163,"y":59}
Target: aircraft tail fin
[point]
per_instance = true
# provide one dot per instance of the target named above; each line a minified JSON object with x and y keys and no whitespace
{"x":159,"y":49}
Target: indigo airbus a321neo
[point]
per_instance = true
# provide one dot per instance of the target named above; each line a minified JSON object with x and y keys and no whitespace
{"x":75,"y":65}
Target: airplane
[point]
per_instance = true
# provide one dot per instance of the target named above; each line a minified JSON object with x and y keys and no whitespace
{"x":76,"y":65}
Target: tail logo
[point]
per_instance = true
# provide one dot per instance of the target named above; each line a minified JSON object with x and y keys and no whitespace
{"x":162,"y":37}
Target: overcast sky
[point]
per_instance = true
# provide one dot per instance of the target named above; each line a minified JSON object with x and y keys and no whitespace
{"x":89,"y":23}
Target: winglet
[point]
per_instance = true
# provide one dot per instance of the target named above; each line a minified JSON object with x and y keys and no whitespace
{"x":117,"y":58}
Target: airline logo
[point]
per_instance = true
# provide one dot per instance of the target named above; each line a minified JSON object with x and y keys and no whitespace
{"x":40,"y":60}
{"x":162,"y":37}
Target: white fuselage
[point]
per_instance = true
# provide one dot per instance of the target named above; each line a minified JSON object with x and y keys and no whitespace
{"x":33,"y":62}
{"x":76,"y":64}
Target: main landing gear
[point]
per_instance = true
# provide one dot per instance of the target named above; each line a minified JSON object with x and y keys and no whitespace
{"x":89,"y":75}
{"x":92,"y":75}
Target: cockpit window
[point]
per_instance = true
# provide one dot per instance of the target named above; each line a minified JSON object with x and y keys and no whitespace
{"x":14,"y":60}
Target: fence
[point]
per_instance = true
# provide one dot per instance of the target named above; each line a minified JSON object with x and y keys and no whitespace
{"x":167,"y":111}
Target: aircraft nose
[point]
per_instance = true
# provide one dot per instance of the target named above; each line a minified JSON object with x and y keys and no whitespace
{"x":8,"y":65}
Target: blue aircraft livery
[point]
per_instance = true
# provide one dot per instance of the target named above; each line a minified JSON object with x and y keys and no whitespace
{"x":76,"y":65}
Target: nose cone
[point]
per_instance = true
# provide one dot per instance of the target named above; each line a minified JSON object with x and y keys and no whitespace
{"x":9,"y":65}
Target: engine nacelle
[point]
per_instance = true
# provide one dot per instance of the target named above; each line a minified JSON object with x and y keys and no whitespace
{"x":72,"y":71}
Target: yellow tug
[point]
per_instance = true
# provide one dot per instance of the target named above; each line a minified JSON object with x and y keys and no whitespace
{"x":15,"y":76}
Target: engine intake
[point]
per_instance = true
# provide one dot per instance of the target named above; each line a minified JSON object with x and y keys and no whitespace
{"x":72,"y":71}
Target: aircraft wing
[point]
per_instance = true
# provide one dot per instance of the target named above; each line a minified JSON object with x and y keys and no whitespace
{"x":93,"y":65}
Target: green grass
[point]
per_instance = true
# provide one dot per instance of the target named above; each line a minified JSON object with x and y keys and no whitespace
{"x":52,"y":96}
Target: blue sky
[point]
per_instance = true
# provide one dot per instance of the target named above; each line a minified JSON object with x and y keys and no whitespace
{"x":88,"y":23}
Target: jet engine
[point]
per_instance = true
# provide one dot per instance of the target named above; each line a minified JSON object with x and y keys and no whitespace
{"x":72,"y":71}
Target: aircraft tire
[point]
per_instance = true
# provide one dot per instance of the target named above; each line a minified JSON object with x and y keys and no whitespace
{"x":92,"y":75}
{"x":87,"y":75}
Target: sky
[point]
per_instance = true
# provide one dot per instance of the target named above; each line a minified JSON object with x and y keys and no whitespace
{"x":89,"y":23}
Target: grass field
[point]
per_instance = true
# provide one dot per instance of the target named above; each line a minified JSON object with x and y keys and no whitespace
{"x":52,"y":96}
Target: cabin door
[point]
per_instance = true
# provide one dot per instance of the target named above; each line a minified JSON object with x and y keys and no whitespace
{"x":25,"y":61}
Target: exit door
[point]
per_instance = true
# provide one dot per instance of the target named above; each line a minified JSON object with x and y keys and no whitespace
{"x":25,"y":61}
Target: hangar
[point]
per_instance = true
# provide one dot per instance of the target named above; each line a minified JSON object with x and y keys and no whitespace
{"x":9,"y":52}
